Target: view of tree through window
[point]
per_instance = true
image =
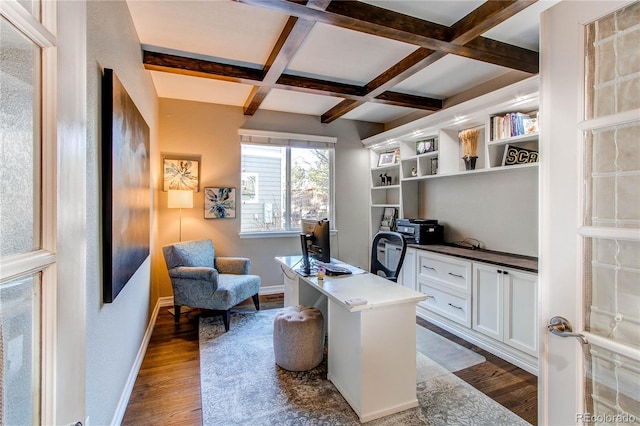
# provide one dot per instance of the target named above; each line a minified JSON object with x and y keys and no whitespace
{"x":282,"y":185}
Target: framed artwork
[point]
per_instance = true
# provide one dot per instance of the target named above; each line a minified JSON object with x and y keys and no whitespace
{"x":180,"y":172}
{"x":219,"y":203}
{"x":125,"y":187}
{"x":386,"y":158}
{"x":426,"y":145}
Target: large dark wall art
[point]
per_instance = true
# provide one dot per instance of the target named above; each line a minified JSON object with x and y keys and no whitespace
{"x":125,"y":185}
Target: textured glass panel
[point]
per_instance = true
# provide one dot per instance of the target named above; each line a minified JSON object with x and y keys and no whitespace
{"x":615,"y":387}
{"x":613,"y":177}
{"x":613,"y":63}
{"x":19,"y":142}
{"x":19,"y":339}
{"x":613,"y":290}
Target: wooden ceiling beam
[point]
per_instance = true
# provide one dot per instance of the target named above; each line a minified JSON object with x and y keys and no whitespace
{"x":485,"y":17}
{"x":207,"y":69}
{"x":381,"y":22}
{"x":293,"y":34}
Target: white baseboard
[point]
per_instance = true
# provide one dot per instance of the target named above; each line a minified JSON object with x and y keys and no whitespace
{"x":273,"y":289}
{"x":135,"y":368}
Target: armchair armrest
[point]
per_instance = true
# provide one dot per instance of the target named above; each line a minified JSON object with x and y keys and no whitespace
{"x":194,"y":273}
{"x":233,"y":265}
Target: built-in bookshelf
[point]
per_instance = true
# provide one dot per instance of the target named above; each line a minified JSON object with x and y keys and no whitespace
{"x":430,"y":147}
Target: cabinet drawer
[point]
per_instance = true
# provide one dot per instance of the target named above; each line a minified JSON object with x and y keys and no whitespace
{"x":453,"y":273}
{"x":451,"y":306}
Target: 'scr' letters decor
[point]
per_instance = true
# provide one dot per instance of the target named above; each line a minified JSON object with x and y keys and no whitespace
{"x":515,"y":155}
{"x":125,"y":187}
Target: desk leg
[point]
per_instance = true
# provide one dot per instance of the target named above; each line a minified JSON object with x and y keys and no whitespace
{"x":372,"y":358}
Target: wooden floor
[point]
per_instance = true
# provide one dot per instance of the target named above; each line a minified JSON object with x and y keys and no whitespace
{"x":167,"y":390}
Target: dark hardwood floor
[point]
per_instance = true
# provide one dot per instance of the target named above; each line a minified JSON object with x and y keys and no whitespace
{"x":167,"y":390}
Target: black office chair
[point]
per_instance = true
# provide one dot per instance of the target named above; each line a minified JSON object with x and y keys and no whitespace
{"x":387,"y":254}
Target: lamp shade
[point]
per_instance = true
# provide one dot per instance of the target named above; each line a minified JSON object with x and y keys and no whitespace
{"x":180,"y":199}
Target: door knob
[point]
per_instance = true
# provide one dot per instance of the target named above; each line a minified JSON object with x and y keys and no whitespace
{"x":560,"y":326}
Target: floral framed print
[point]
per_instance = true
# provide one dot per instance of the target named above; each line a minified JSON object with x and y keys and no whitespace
{"x":180,"y":172}
{"x":219,"y":203}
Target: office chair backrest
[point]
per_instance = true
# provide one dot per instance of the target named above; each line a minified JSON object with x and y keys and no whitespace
{"x":387,"y":254}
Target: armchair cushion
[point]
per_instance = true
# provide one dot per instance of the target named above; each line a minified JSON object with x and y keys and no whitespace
{"x":190,"y":253}
{"x":233,"y":265}
{"x":194,"y":273}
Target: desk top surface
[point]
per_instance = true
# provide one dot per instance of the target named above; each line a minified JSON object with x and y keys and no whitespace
{"x":377,"y":291}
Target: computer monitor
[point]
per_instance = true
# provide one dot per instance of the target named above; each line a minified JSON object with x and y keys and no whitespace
{"x":315,"y":242}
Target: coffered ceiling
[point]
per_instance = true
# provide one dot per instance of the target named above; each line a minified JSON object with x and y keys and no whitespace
{"x":374,"y":61}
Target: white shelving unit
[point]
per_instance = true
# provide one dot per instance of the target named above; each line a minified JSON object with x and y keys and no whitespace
{"x":446,"y":160}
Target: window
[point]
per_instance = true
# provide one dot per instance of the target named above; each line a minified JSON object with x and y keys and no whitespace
{"x":285,"y":180}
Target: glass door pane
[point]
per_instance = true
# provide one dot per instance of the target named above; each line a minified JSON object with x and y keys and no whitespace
{"x":612,"y":218}
{"x":20,"y":350}
{"x":20,"y":161}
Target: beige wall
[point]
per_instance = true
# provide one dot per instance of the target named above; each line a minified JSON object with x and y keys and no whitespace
{"x":211,"y":132}
{"x":115,"y":330}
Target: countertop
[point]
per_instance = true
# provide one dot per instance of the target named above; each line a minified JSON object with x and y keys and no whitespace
{"x":516,"y":261}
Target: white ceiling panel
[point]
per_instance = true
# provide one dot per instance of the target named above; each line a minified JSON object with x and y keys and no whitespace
{"x":523,"y":29}
{"x":449,"y":76}
{"x":177,"y":86}
{"x":338,"y":54}
{"x":377,"y":113}
{"x":298,"y":102}
{"x":221,"y":29}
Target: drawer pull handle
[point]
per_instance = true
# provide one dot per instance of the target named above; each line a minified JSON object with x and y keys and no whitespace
{"x":429,"y":267}
{"x":456,"y":275}
{"x":454,"y":306}
{"x":430,"y":297}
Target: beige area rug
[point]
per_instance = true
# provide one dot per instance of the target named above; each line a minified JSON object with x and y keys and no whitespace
{"x":241,"y":385}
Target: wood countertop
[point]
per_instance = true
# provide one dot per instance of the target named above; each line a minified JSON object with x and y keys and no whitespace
{"x":515,"y":261}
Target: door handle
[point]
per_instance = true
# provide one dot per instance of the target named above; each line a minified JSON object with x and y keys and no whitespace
{"x":560,"y":326}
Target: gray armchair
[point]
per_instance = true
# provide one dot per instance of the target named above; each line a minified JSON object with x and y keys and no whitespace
{"x":202,"y":280}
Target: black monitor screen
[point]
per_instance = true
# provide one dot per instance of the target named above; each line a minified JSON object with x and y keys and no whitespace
{"x":315,"y":241}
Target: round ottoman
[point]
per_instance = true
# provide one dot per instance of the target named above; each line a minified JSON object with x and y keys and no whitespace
{"x":298,"y":338}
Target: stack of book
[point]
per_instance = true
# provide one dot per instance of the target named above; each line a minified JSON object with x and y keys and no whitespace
{"x":513,"y":124}
{"x":388,"y":222}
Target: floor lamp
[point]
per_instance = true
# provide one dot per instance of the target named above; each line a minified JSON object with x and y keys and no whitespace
{"x":180,"y":199}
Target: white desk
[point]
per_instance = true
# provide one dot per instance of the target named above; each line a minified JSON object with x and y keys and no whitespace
{"x":372,"y":347}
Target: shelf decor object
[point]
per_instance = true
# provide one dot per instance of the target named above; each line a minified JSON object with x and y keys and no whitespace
{"x":469,"y":140}
{"x":516,"y":155}
{"x":386,"y":159}
{"x":426,"y":145}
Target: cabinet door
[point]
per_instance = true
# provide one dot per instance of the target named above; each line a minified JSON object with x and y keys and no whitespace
{"x":407,"y":275}
{"x":520,"y":307}
{"x":487,"y":301}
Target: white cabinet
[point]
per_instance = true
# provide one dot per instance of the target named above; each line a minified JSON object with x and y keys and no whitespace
{"x":505,"y":306}
{"x":447,"y":283}
{"x":407,"y":275}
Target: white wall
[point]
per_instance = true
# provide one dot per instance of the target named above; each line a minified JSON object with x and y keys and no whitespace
{"x":500,"y":209}
{"x":114,"y":331}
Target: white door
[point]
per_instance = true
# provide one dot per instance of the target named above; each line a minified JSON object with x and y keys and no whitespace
{"x":590,"y":212}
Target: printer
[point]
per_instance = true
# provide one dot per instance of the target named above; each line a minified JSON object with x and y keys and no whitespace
{"x":421,"y":231}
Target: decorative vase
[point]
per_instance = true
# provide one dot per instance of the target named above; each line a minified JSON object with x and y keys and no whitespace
{"x":470,"y":162}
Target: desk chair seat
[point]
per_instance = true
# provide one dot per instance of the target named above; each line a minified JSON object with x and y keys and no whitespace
{"x":202,"y":280}
{"x":387,"y":254}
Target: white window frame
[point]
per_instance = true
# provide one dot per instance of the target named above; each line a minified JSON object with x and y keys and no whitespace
{"x":284,"y":139}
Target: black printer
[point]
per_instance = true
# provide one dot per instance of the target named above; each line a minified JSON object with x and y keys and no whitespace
{"x":421,"y":231}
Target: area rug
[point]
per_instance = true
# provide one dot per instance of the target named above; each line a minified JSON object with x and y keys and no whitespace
{"x":443,"y":351}
{"x":241,"y":385}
